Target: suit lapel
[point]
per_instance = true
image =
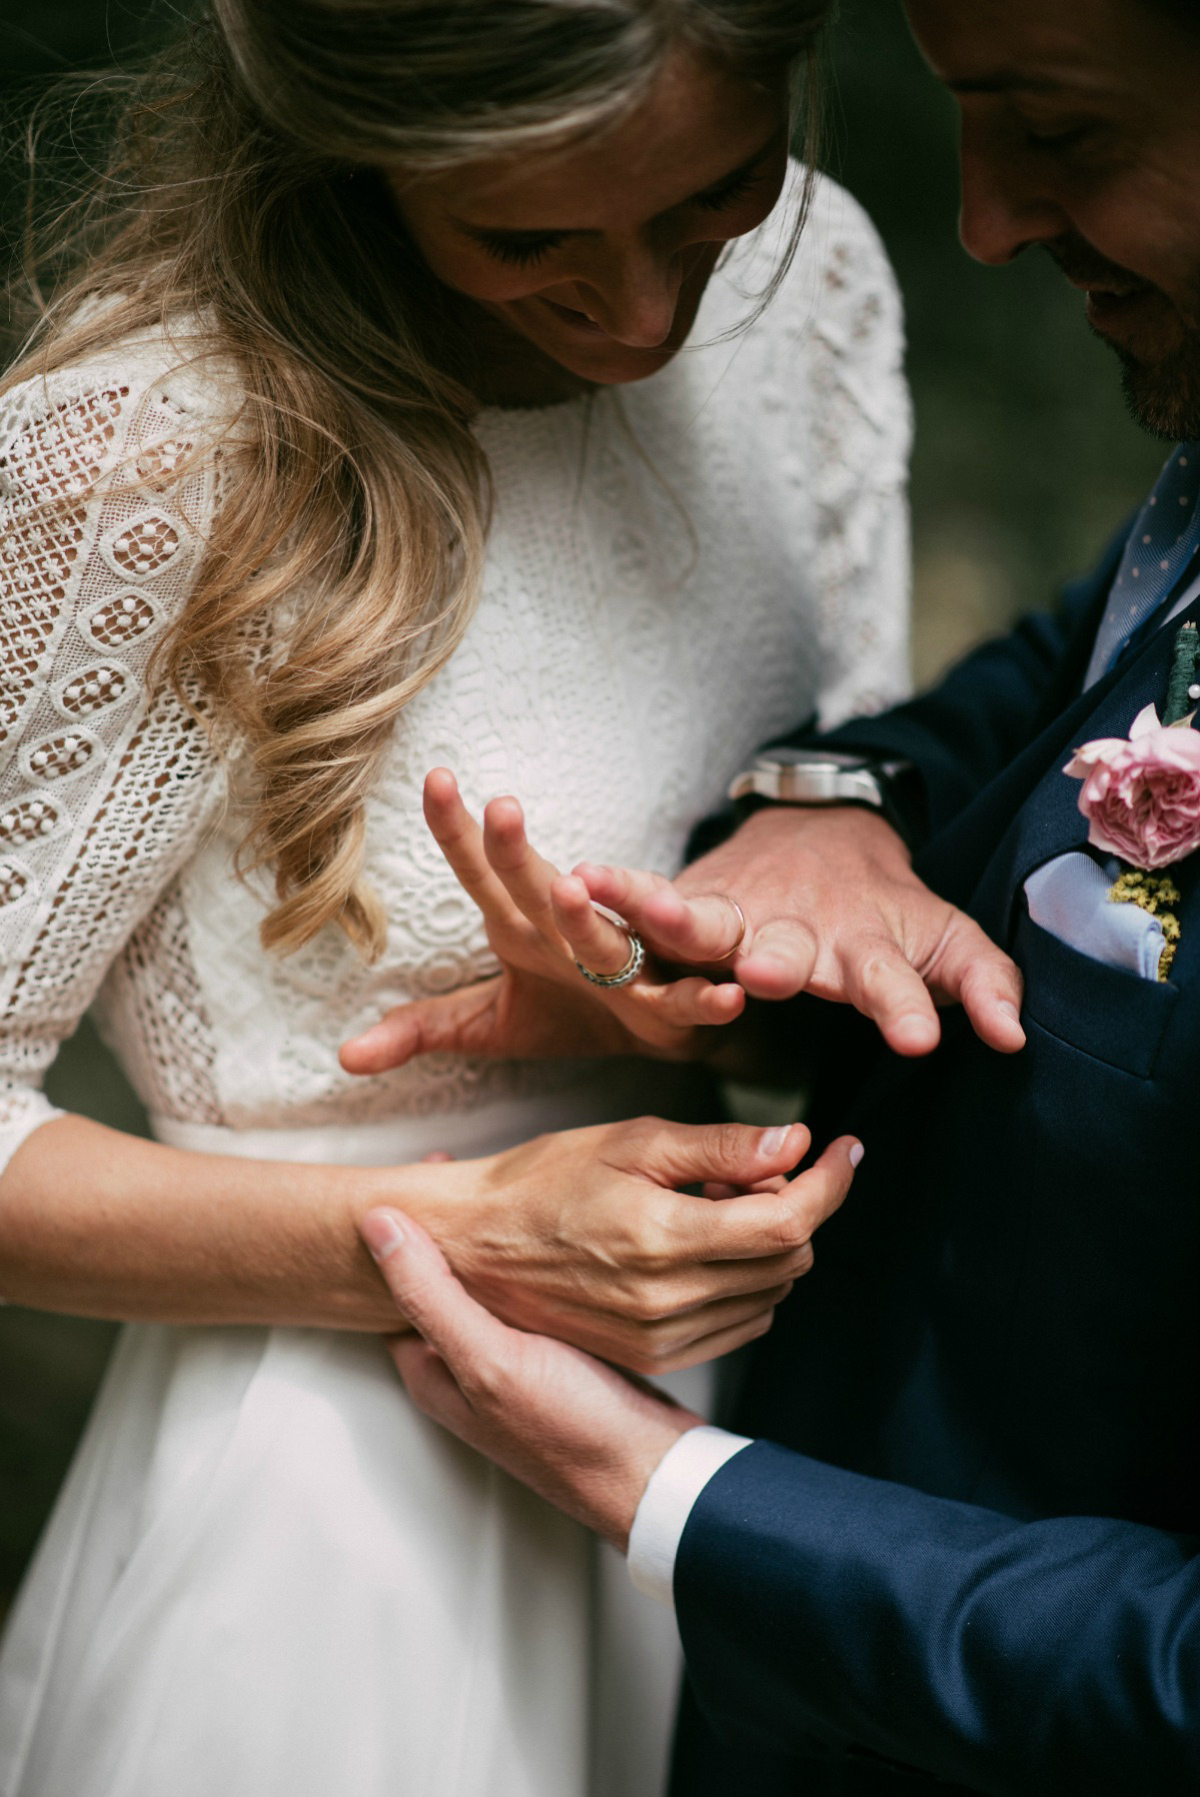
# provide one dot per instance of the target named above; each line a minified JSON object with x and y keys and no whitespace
{"x":1033,"y":803}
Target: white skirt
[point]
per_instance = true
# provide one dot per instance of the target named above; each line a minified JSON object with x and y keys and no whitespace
{"x":268,"y":1576}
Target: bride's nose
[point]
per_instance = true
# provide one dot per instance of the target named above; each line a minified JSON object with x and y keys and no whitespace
{"x":635,"y":290}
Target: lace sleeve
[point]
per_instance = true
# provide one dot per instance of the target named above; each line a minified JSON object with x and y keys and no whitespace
{"x":862,"y":424}
{"x":104,"y":785}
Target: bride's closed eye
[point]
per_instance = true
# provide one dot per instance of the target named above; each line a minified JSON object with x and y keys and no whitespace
{"x":717,"y":198}
{"x":522,"y":248}
{"x":519,"y":247}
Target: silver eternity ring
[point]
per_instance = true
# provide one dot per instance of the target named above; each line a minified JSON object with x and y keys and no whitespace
{"x":628,"y":973}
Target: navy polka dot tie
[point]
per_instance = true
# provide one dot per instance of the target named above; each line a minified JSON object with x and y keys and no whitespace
{"x":1163,"y":545}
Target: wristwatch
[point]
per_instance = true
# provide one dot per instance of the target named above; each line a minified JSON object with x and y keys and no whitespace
{"x":826,"y":777}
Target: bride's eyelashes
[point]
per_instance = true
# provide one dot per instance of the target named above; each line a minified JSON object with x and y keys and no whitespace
{"x":729,"y":192}
{"x":519,"y":247}
{"x":522,"y":248}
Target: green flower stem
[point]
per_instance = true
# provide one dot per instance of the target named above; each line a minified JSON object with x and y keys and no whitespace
{"x":1183,"y":673}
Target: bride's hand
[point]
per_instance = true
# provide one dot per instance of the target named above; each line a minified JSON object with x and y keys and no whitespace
{"x":539,"y":924}
{"x":584,"y":1236}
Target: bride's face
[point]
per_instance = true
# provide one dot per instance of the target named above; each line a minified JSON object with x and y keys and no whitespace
{"x":598,"y":255}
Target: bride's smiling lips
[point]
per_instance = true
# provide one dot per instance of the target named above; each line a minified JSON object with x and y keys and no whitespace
{"x":596,"y":352}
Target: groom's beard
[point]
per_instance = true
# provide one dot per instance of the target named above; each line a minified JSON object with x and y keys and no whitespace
{"x":1164,"y":396}
{"x":1159,"y":349}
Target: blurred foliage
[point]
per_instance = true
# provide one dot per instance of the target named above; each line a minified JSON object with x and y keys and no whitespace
{"x":1025,"y":462}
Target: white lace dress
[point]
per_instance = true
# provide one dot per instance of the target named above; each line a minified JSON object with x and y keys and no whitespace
{"x":267,"y":1576}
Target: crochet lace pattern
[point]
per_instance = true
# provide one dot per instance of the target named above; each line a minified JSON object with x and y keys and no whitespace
{"x":676,"y":573}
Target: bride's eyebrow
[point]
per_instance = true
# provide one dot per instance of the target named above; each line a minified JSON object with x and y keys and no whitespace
{"x":730,"y":179}
{"x":733,"y":175}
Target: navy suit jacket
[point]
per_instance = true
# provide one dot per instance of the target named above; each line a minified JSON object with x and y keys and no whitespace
{"x":967,"y":1539}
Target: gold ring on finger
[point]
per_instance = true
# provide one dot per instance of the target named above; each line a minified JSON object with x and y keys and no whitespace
{"x":741,"y":935}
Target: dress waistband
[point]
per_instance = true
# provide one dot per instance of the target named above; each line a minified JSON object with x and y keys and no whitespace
{"x":391,"y":1141}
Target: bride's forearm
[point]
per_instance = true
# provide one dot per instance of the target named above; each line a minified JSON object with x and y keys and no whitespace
{"x":583,"y":1234}
{"x":102,"y":1224}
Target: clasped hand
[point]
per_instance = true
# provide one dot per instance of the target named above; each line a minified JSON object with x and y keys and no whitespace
{"x":585,"y":1235}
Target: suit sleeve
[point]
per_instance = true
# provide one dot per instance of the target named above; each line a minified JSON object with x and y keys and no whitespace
{"x":1016,"y":1657}
{"x":988,"y":708}
{"x":965,"y":731}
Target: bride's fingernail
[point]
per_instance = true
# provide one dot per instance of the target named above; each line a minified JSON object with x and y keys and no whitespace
{"x":383,"y":1233}
{"x":856,"y":1154}
{"x":772,"y":1140}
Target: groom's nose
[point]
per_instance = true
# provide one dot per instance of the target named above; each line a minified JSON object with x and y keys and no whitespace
{"x":1006,"y":207}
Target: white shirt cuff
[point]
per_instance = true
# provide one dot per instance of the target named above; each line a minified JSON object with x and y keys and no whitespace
{"x":667,"y":1502}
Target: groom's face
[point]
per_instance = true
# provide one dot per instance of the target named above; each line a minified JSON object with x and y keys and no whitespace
{"x":1081,"y":136}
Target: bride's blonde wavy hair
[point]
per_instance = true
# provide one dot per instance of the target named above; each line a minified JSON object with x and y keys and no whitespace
{"x":242,"y":189}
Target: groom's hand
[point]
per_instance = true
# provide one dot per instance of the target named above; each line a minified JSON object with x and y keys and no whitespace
{"x":832,"y":907}
{"x":583,"y":1436}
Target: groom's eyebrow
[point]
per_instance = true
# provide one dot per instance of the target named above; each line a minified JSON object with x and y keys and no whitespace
{"x":1024,"y":81}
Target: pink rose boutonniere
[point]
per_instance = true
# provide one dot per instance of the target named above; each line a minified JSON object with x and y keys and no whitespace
{"x":1141,"y":793}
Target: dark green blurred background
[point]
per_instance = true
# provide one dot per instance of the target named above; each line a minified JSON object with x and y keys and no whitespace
{"x":1025,"y":462}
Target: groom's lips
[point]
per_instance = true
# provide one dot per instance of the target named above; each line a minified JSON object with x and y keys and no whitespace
{"x":1109,"y":307}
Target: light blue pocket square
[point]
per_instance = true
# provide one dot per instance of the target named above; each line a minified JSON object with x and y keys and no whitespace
{"x":1069,"y":897}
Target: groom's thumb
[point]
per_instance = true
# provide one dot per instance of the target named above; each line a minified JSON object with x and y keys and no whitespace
{"x":427,"y":1292}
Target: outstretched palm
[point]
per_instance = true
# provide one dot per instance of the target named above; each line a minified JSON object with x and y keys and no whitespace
{"x":539,"y":924}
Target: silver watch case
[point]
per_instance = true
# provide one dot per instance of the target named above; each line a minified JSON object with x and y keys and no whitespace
{"x":816,"y":777}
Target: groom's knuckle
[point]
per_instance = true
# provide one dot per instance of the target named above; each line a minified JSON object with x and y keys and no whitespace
{"x":419,"y":1367}
{"x":486,"y":1380}
{"x":876,"y":970}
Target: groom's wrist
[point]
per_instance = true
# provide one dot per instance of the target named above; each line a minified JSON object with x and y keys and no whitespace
{"x":607,"y":1500}
{"x":669,"y":1498}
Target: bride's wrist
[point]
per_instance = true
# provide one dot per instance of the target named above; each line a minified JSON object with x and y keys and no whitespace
{"x":440,"y":1195}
